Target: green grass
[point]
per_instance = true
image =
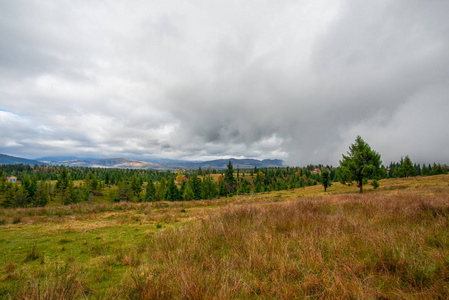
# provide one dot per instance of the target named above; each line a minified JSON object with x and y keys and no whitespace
{"x":392,"y":242}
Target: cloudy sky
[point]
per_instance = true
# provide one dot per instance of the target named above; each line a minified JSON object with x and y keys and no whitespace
{"x":204,"y":79}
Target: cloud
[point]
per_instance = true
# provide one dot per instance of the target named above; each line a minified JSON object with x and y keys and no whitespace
{"x":291,"y":80}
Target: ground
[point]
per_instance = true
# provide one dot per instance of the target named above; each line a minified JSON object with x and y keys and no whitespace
{"x":392,"y":242}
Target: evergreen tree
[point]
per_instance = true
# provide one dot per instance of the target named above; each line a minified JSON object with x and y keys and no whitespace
{"x":183,"y":188}
{"x":3,"y":180}
{"x":161,"y":189}
{"x":124,"y":191}
{"x":172,"y":193}
{"x":10,"y":195}
{"x":21,"y":199}
{"x":93,"y":183}
{"x":425,"y":170}
{"x":437,"y":169}
{"x":222,"y":189}
{"x":195,"y":184}
{"x":150,"y":191}
{"x":42,"y":196}
{"x":63,"y":180}
{"x":325,"y":179}
{"x":136,"y":186}
{"x":229,"y":179}
{"x":407,"y":167}
{"x":209,"y":187}
{"x":188,"y":193}
{"x":361,"y":163}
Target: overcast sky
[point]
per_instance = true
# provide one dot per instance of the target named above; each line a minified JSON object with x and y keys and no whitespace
{"x":204,"y":79}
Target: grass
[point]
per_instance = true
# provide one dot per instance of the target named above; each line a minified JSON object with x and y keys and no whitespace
{"x":392,"y":242}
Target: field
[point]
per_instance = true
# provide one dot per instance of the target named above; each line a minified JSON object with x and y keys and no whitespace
{"x":392,"y":242}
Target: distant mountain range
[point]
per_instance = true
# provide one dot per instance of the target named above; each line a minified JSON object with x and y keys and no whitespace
{"x":125,"y":163}
{"x":11,"y":160}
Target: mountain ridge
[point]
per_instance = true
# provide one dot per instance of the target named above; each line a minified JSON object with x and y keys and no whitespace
{"x":11,"y":160}
{"x":127,"y":163}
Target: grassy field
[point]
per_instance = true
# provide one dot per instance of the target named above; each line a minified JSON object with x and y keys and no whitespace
{"x":392,"y":242}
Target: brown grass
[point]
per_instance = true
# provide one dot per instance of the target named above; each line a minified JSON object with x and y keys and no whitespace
{"x":369,"y":246}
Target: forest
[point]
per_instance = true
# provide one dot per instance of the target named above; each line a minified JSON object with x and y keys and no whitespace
{"x":38,"y":186}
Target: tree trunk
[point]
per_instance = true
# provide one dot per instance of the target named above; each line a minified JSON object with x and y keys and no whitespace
{"x":361,"y":187}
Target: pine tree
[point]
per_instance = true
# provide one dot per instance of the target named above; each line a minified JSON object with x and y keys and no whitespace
{"x":195,"y":184}
{"x":229,"y":179}
{"x":407,"y":167}
{"x":42,"y":196}
{"x":172,"y":193}
{"x":161,"y":189}
{"x":3,"y":181}
{"x":188,"y":193}
{"x":325,"y":179}
{"x":93,"y":183}
{"x":150,"y":191}
{"x":361,"y":163}
{"x":209,"y":187}
{"x":136,"y":186}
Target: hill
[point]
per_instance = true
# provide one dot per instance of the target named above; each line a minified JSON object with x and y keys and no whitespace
{"x":122,"y":163}
{"x":12,"y":160}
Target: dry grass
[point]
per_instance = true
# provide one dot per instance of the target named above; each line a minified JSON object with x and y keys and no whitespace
{"x":388,"y":243}
{"x":379,"y":246}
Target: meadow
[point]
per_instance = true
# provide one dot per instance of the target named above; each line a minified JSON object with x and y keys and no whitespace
{"x":391,"y":242}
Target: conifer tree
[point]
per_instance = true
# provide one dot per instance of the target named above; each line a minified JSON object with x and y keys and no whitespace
{"x":229,"y":179}
{"x":325,"y":179}
{"x":361,"y":163}
{"x":407,"y":167}
{"x":150,"y":191}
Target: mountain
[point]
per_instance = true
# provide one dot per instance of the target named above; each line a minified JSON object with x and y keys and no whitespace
{"x":158,"y":163}
{"x":122,"y":163}
{"x":241,"y":163}
{"x":222,"y":164}
{"x":11,"y":160}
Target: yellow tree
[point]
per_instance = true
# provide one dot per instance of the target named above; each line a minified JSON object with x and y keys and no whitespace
{"x":179,"y":177}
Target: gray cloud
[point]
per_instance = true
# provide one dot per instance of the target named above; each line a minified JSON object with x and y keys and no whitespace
{"x":291,"y":80}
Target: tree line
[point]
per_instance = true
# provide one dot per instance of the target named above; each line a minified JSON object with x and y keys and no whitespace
{"x":59,"y":185}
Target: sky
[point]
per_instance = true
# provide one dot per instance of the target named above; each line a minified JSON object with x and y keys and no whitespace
{"x":203,"y":79}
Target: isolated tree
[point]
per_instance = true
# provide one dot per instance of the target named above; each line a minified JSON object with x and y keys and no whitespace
{"x":361,"y":163}
{"x":325,"y":179}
